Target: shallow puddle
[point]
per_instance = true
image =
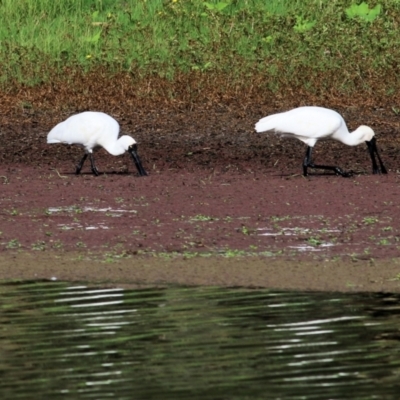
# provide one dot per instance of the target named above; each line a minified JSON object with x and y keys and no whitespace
{"x":59,"y":340}
{"x":305,"y":247}
{"x":74,"y":209}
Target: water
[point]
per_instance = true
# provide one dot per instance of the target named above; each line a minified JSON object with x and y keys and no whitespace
{"x":59,"y":340}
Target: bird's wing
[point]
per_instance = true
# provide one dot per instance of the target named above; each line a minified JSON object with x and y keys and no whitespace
{"x":85,"y":129}
{"x":308,"y":124}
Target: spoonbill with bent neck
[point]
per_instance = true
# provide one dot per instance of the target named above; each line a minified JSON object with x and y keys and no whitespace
{"x":310,"y":124}
{"x":92,"y":130}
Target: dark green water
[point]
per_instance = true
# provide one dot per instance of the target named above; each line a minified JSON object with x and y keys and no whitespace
{"x":66,"y":341}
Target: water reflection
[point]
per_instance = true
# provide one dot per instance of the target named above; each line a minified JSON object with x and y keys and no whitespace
{"x":73,"y":342}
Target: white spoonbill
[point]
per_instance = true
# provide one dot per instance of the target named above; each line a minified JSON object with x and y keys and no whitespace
{"x":310,"y":124}
{"x":91,"y":130}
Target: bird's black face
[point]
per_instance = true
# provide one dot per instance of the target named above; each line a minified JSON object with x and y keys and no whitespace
{"x":133,"y":152}
{"x":373,"y":149}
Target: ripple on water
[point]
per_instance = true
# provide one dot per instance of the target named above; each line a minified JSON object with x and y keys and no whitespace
{"x":74,"y":341}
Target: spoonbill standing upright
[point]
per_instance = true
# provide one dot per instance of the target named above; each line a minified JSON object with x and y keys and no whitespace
{"x":310,"y":124}
{"x":91,"y":130}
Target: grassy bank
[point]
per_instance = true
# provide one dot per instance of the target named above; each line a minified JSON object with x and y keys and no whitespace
{"x":316,"y":46}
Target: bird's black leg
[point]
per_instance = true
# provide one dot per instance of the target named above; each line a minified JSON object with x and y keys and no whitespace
{"x":80,"y":165}
{"x":307,"y":160}
{"x":309,"y":163}
{"x":94,"y":168}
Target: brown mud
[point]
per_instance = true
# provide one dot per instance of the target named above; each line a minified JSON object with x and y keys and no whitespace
{"x":221,"y":205}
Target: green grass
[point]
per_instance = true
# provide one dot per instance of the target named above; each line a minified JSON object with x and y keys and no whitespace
{"x":315,"y":44}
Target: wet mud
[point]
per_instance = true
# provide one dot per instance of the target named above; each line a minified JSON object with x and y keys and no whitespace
{"x":221,"y":205}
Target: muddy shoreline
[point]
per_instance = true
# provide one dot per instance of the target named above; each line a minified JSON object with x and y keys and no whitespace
{"x":252,"y":272}
{"x":221,"y":206}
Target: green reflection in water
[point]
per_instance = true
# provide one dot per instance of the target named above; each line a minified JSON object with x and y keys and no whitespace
{"x":59,"y":340}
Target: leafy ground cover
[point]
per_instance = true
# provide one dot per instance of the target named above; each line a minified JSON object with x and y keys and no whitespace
{"x":281,"y":48}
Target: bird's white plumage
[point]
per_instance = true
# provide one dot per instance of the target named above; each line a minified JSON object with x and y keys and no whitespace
{"x":91,"y":129}
{"x":310,"y":124}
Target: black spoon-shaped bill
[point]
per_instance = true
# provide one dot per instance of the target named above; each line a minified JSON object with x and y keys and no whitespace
{"x":373,"y":149}
{"x":133,"y":152}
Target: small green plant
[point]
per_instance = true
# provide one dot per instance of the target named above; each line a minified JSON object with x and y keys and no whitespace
{"x":93,"y":39}
{"x":202,"y":218}
{"x":39,"y":245}
{"x":114,"y":256}
{"x":396,"y":278}
{"x":80,"y":244}
{"x":370,"y":220}
{"x":202,"y":67}
{"x":363,"y":12}
{"x":218,"y":7}
{"x":26,"y":104}
{"x":314,"y":241}
{"x":13,"y":244}
{"x":245,"y":230}
{"x":235,"y":253}
{"x":302,"y":25}
{"x":57,"y":244}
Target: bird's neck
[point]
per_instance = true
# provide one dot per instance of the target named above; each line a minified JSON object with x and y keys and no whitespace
{"x":115,"y":148}
{"x":352,"y":138}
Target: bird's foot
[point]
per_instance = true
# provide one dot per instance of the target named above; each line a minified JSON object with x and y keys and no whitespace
{"x":345,"y":174}
{"x":95,"y":171}
{"x":336,"y":170}
{"x":78,"y":170}
{"x":342,"y":173}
